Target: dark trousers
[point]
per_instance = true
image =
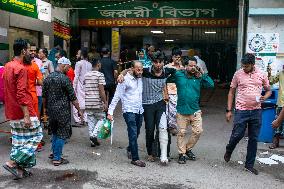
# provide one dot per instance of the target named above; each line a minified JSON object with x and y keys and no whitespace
{"x":243,"y":119}
{"x":134,"y":123}
{"x":152,"y":116}
{"x":110,"y":90}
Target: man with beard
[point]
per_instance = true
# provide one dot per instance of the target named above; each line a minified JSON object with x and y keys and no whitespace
{"x":130,"y":94}
{"x":172,"y":91}
{"x":188,"y":83}
{"x":19,"y":109}
{"x":57,"y":94}
{"x":247,"y":84}
{"x":154,"y":80}
{"x":34,"y":76}
{"x":82,"y":67}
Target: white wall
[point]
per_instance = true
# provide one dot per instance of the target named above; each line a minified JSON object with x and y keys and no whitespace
{"x":61,"y":14}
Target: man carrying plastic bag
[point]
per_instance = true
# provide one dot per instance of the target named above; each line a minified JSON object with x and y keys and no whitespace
{"x":130,"y":94}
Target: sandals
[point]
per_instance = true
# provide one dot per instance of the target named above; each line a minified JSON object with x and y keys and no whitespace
{"x":138,"y":163}
{"x":61,"y":162}
{"x":13,"y":171}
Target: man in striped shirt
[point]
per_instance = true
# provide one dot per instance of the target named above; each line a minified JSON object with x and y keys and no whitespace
{"x":95,"y":99}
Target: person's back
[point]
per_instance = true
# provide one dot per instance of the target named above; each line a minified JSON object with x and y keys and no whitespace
{"x":108,"y":70}
{"x":92,"y":94}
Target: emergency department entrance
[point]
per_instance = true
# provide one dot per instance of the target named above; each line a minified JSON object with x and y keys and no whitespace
{"x":210,"y":26}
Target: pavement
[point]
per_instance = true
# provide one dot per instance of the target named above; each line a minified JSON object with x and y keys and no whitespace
{"x":107,"y":166}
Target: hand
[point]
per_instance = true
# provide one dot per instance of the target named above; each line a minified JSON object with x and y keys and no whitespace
{"x":109,"y":117}
{"x":276,"y":124}
{"x":27,"y":121}
{"x":80,"y":114}
{"x":105,"y":107}
{"x":262,"y":99}
{"x":229,"y":116}
{"x":120,"y":78}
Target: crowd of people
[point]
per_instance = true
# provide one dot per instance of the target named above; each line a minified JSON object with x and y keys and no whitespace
{"x":167,"y":97}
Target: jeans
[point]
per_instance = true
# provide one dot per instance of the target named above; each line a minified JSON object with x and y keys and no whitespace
{"x":152,"y":117}
{"x":110,"y":90}
{"x":134,"y":123}
{"x":57,"y":147}
{"x":243,"y":119}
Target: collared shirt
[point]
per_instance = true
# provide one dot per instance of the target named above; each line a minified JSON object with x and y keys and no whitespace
{"x":153,"y":85}
{"x":279,"y":78}
{"x":81,"y":68}
{"x":188,"y":91}
{"x":16,"y":91}
{"x":92,"y":93}
{"x":130,"y":94}
{"x":249,"y":88}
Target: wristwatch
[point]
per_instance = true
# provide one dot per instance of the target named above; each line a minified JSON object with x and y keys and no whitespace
{"x":227,"y":110}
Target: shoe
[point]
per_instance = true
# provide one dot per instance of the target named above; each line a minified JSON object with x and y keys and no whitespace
{"x":94,"y":142}
{"x":190,"y":155}
{"x":251,"y":170}
{"x":139,"y":163}
{"x":275,"y":143}
{"x":227,"y":156}
{"x":182,"y":159}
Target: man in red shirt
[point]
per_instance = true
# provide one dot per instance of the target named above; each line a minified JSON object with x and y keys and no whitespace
{"x":19,"y":109}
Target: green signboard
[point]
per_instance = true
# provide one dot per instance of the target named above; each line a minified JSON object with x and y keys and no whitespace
{"x":161,"y":9}
{"x":23,"y":7}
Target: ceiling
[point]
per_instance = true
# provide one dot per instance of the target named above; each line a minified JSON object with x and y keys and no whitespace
{"x":181,"y":35}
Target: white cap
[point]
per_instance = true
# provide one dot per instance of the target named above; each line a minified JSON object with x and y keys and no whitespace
{"x":64,"y":61}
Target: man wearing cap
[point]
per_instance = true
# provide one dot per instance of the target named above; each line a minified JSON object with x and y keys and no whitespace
{"x":57,"y":94}
{"x":109,"y":69}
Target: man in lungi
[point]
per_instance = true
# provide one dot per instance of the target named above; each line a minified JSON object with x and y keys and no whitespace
{"x":19,"y":109}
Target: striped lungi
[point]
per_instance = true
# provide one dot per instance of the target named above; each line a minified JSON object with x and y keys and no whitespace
{"x":25,"y":142}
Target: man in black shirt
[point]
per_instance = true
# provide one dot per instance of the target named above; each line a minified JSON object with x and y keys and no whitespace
{"x":109,"y":69}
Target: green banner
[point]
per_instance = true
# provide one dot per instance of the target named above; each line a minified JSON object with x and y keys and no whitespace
{"x":161,"y":9}
{"x":4,"y":46}
{"x":23,"y":7}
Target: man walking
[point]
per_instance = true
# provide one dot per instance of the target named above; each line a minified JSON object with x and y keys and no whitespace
{"x":81,"y":68}
{"x":189,"y":83}
{"x":154,"y":81}
{"x":57,"y":94}
{"x":19,"y":109}
{"x":109,"y":69}
{"x":247,"y":83}
{"x":130,"y":94}
{"x":95,"y":99}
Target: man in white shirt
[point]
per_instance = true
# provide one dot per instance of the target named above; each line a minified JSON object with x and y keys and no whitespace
{"x":130,"y":94}
{"x":200,"y":63}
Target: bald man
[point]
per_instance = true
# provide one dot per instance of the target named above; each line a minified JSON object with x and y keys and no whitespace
{"x":130,"y":94}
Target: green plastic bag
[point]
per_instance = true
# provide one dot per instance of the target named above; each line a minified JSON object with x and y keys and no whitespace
{"x":104,"y":129}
